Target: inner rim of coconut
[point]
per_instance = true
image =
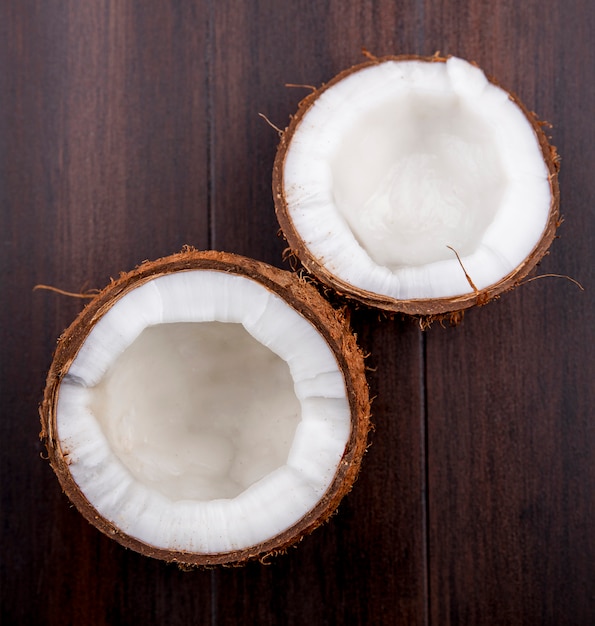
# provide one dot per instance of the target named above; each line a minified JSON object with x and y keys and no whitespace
{"x":398,"y":162}
{"x":313,"y":426}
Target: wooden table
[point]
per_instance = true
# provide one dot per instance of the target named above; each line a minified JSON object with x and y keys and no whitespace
{"x":130,"y":129}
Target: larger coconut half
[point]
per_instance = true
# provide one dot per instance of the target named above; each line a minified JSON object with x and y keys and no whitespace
{"x":416,"y":185}
{"x":206,"y":408}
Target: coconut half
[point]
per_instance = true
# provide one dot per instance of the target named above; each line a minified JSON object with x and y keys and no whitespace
{"x":416,"y":184}
{"x":206,"y":408}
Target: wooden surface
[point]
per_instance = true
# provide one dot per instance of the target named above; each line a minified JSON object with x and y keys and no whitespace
{"x":128,"y":129}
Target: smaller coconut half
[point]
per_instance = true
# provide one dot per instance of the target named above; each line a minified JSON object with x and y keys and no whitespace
{"x":206,"y":408}
{"x":416,"y":184}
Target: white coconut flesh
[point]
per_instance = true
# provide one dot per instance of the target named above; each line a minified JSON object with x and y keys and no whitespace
{"x":203,"y":413}
{"x":399,"y":164}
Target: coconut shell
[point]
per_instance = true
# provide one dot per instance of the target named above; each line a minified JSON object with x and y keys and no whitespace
{"x":425,"y":308}
{"x":301,"y":296}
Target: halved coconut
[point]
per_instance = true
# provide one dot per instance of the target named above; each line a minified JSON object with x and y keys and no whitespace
{"x":206,"y":408}
{"x":416,"y":184}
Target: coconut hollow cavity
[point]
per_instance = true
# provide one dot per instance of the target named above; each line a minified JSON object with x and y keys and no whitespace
{"x":416,"y":184}
{"x":206,"y":408}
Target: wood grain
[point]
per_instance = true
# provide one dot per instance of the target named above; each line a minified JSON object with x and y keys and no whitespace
{"x":128,"y":130}
{"x":508,"y":438}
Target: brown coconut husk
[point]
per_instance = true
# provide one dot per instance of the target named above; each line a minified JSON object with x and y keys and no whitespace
{"x":426,"y":309}
{"x":306,"y":300}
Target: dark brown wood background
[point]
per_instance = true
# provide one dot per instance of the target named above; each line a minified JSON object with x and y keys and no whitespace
{"x":128,"y":129}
